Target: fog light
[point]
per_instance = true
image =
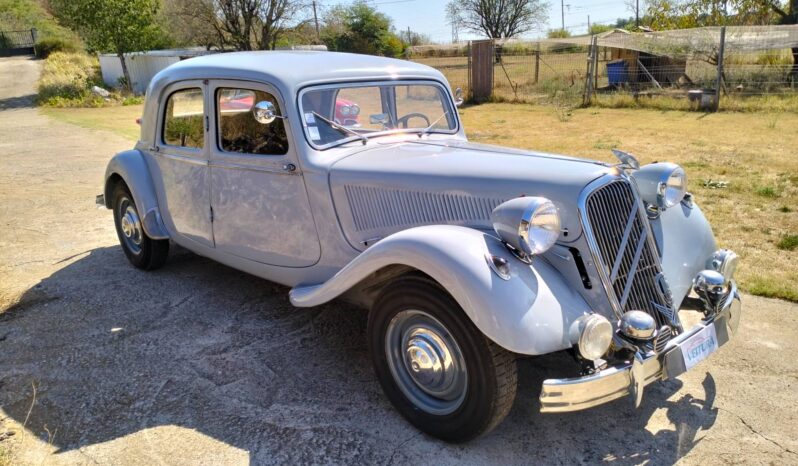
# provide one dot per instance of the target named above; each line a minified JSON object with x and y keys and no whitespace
{"x":724,"y":261}
{"x":637,"y":325}
{"x":592,"y":335}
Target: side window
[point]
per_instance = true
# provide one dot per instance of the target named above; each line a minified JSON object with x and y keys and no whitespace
{"x":183,"y":120}
{"x":238,"y":129}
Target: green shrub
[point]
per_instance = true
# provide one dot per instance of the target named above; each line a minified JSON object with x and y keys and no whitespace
{"x":788,"y":242}
{"x":67,"y":79}
{"x":49,"y":45}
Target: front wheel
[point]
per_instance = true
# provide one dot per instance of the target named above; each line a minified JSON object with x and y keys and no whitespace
{"x":141,"y":250}
{"x":436,"y":367}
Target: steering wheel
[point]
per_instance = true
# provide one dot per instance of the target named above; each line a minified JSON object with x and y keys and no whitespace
{"x":405,"y":120}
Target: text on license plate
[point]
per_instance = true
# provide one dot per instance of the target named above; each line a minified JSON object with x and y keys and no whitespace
{"x":699,"y":346}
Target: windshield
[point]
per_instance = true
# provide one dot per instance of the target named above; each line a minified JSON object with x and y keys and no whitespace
{"x":338,"y":114}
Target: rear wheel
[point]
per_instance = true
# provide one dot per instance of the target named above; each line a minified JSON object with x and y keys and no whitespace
{"x":141,"y":250}
{"x":436,"y":367}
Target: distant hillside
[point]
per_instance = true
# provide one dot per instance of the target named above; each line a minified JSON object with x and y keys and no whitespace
{"x":25,"y":14}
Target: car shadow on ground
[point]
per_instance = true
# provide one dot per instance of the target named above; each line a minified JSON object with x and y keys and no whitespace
{"x":113,"y":350}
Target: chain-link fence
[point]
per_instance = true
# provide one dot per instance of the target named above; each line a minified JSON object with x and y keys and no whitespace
{"x":702,"y":68}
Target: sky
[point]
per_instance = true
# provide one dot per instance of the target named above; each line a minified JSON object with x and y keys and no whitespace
{"x":429,"y":16}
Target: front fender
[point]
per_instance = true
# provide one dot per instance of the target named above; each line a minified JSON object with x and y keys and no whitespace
{"x":530,"y":313}
{"x":685,"y":241}
{"x":131,"y":167}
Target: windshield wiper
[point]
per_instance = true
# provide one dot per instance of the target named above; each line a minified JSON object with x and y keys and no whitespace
{"x":342,"y":128}
{"x":428,"y":128}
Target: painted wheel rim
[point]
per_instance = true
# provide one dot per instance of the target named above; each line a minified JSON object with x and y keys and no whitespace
{"x":130,"y":226}
{"x":426,"y":362}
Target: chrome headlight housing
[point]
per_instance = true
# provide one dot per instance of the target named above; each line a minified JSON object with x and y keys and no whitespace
{"x":530,"y":225}
{"x":661,"y":184}
{"x":345,"y":110}
{"x":592,"y":335}
{"x":354,"y":109}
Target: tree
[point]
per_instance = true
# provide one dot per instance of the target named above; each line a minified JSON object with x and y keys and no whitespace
{"x":498,"y":19}
{"x":558,"y":34}
{"x":236,"y":24}
{"x":412,"y":38}
{"x":360,"y":28}
{"x":117,"y":26}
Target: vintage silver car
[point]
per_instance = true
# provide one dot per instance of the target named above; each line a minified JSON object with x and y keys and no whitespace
{"x":468,"y":256}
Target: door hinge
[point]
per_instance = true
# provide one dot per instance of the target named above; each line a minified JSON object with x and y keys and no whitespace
{"x":207,"y":123}
{"x":211,"y":214}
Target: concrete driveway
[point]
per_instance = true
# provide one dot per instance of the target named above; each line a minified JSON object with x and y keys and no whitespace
{"x":201,"y":364}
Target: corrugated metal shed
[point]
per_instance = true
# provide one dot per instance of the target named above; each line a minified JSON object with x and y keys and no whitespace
{"x":143,"y":66}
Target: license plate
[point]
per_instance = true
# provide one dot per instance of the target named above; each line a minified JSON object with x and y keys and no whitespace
{"x":699,"y":346}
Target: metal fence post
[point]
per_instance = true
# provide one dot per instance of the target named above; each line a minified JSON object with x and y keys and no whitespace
{"x":537,"y":63}
{"x":719,"y":83}
{"x":591,"y":63}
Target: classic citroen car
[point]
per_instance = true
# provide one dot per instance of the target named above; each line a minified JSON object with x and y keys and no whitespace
{"x":467,"y":256}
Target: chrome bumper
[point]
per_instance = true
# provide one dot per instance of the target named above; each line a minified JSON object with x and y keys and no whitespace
{"x":561,"y":395}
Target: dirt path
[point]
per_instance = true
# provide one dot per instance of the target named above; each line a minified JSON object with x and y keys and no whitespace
{"x":199,"y":363}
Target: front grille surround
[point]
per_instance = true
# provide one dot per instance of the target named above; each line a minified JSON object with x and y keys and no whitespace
{"x":622,"y":246}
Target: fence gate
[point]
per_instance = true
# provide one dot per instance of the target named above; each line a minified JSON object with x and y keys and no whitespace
{"x":17,"y":42}
{"x":481,"y":70}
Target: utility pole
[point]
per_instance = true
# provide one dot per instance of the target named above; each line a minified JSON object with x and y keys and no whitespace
{"x":588,"y":24}
{"x":562,"y":9}
{"x":316,"y":19}
{"x":637,"y":13}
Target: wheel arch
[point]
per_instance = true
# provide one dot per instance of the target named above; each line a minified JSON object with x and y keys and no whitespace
{"x":531,"y":313}
{"x":130,"y":168}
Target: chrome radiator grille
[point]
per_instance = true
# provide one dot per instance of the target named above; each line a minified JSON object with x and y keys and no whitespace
{"x":627,"y":258}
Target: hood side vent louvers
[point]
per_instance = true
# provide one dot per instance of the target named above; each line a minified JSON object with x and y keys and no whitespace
{"x":378,"y":208}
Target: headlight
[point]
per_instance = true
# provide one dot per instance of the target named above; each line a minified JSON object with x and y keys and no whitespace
{"x":724,"y":261}
{"x":592,"y":335}
{"x":345,"y":110}
{"x":355,"y":110}
{"x":661,"y":184}
{"x":531,"y":225}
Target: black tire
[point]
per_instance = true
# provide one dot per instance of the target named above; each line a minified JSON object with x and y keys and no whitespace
{"x":491,"y":379}
{"x":143,"y":252}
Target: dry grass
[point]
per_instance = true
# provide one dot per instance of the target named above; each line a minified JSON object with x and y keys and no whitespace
{"x":742,"y":167}
{"x":120,"y":120}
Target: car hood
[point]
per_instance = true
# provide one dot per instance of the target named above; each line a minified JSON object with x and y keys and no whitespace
{"x":392,"y":187}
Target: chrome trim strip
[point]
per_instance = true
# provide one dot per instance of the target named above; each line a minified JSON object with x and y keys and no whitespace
{"x":181,"y":158}
{"x":633,"y":270}
{"x":627,"y":232}
{"x":236,"y":166}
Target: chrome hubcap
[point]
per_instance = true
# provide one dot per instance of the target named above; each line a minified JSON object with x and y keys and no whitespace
{"x":132,"y":233}
{"x":426,"y":362}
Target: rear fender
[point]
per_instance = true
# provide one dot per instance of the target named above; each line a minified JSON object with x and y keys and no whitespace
{"x":130,"y":167}
{"x":530,"y":313}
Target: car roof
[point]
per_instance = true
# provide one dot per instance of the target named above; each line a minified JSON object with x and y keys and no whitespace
{"x":291,"y":70}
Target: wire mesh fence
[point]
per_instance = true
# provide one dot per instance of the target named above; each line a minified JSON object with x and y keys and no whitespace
{"x":702,"y":68}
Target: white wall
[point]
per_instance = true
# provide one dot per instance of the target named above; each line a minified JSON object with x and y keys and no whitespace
{"x":142,"y":69}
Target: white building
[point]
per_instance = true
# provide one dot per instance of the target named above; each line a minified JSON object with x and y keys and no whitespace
{"x":143,"y":66}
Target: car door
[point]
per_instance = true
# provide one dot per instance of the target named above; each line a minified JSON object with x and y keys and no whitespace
{"x":181,"y":161}
{"x":258,"y":198}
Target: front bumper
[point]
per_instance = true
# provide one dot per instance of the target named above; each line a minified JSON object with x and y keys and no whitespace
{"x":561,"y":395}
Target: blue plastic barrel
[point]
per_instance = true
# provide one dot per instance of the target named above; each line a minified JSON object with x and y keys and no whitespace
{"x":617,"y":71}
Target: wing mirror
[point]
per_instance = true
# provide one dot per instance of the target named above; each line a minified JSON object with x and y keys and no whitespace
{"x":265,"y":112}
{"x":458,"y":97}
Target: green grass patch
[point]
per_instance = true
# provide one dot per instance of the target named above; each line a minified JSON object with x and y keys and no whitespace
{"x":788,"y":242}
{"x":770,"y":288}
{"x":766,"y":191}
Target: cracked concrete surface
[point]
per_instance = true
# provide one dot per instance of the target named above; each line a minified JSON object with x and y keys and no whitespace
{"x":201,"y":364}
